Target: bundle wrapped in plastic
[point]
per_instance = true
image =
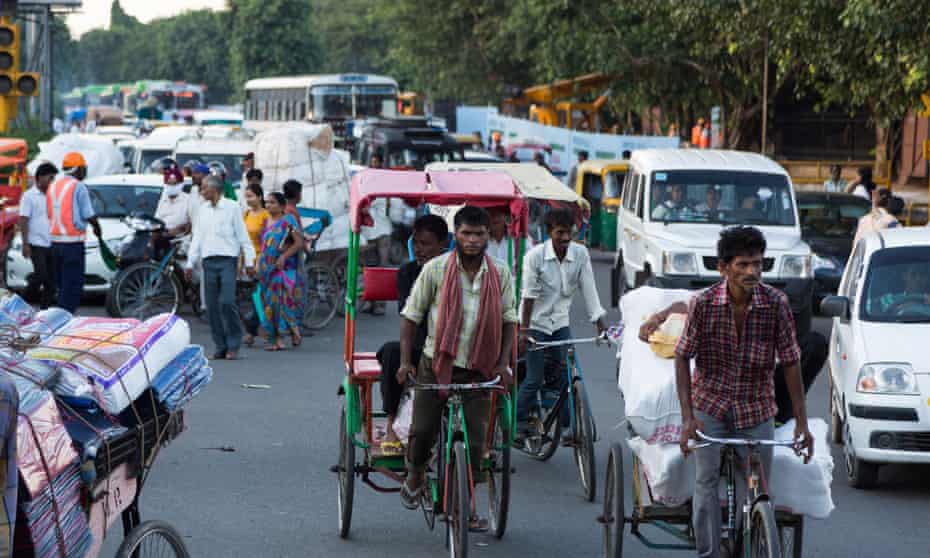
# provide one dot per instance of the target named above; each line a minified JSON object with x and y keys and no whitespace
{"x":32,"y":377}
{"x":112,"y":361}
{"x":45,"y":323}
{"x":800,"y":488}
{"x":53,"y":523}
{"x":182,"y":378}
{"x":14,"y":311}
{"x":90,"y":430}
{"x":43,"y":445}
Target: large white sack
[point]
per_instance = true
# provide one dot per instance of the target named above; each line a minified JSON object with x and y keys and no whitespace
{"x":336,"y":236}
{"x":112,"y":361}
{"x":801,"y":488}
{"x":647,"y":381}
{"x":102,"y":156}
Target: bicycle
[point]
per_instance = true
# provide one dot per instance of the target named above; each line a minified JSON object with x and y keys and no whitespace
{"x":545,"y":417}
{"x":321,"y":298}
{"x":450,"y":487}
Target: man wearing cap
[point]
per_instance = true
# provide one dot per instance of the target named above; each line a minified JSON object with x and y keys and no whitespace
{"x":69,"y":213}
{"x":174,"y":205}
{"x":37,"y":241}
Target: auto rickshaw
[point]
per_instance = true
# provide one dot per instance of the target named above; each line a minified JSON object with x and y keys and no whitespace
{"x":609,"y":174}
{"x":450,"y":490}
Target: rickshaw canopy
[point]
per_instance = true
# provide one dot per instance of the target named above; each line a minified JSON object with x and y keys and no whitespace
{"x":533,"y":181}
{"x":438,"y":188}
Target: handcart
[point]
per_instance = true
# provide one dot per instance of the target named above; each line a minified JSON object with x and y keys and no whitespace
{"x":110,"y":482}
{"x":450,"y":492}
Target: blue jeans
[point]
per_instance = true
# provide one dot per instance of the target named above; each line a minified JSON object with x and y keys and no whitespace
{"x":69,"y":259}
{"x":706,"y":503}
{"x":536,"y":372}
{"x":219,"y":278}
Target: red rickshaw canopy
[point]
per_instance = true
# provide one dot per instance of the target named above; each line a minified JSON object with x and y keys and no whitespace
{"x":482,"y":189}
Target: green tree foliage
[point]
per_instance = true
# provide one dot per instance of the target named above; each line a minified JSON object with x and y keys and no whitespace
{"x":272,"y":37}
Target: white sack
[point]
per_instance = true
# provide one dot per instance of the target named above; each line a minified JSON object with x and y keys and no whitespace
{"x":102,"y":156}
{"x":796,"y":487}
{"x":647,"y":381}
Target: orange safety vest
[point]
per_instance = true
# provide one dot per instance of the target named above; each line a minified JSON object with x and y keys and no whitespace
{"x":696,"y":135}
{"x":60,"y":202}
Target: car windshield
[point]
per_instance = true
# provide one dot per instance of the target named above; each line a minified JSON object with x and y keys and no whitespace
{"x":149,"y":156}
{"x":409,"y":158}
{"x":117,"y":201}
{"x":831,"y":218}
{"x":897,"y":287}
{"x":233,"y":163}
{"x":614,"y":184}
{"x":721,"y":197}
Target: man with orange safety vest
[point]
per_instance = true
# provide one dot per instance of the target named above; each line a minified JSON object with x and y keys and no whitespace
{"x":69,"y":212}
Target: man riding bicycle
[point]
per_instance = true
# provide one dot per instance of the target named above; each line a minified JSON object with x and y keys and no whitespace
{"x":553,"y":272}
{"x":467,"y":298}
{"x":735,"y":331}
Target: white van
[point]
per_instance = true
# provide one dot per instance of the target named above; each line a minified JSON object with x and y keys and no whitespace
{"x":157,"y":145}
{"x":675,"y":203}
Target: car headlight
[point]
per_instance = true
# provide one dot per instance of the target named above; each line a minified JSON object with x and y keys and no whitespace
{"x":818,"y":262}
{"x":679,"y":263}
{"x":887,"y":377}
{"x":796,"y":266}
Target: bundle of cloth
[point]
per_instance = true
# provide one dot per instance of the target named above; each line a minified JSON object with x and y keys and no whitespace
{"x":182,"y":378}
{"x":112,"y":361}
{"x":650,"y":397}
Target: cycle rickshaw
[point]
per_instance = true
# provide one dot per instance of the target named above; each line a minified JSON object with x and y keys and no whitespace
{"x":450,"y":493}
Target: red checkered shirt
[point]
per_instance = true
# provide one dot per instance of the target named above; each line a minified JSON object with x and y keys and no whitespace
{"x":737,"y":375}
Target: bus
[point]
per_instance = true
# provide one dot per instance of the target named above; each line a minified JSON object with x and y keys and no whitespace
{"x":333,"y":99}
{"x":173,"y":97}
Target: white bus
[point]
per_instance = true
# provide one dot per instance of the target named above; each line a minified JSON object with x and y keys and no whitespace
{"x":332,"y":99}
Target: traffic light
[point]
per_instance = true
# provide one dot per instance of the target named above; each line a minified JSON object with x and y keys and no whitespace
{"x":13,"y":82}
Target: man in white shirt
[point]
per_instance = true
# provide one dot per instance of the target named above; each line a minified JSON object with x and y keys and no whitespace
{"x":499,"y":241}
{"x":219,"y":237}
{"x":36,"y":230}
{"x":552,"y":273}
{"x":174,"y":207}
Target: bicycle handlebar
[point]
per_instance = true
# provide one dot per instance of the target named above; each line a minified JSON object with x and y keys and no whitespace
{"x":494,"y":384}
{"x":741,"y":441}
{"x":539,"y":345}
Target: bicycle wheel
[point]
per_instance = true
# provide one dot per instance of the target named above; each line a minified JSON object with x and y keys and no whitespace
{"x":614,"y":504}
{"x":584,"y":443}
{"x":763,"y":535}
{"x":152,"y":539}
{"x":346,"y":474}
{"x":143,"y":290}
{"x":542,"y":442}
{"x":459,"y":503}
{"x":499,"y":480}
{"x":321,"y":296}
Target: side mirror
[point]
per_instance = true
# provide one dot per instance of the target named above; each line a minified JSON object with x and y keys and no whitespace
{"x":835,"y":307}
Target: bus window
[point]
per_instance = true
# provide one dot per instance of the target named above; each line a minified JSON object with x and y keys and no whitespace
{"x":302,"y":111}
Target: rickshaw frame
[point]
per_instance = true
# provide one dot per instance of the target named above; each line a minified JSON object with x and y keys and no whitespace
{"x":416,"y":188}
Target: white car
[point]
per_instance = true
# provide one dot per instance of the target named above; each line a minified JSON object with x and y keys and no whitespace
{"x":113,"y":197}
{"x":230,"y":151}
{"x":667,"y":233}
{"x":879,"y":367}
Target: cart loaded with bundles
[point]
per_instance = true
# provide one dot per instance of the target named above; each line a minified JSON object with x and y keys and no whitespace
{"x":97,"y":399}
{"x":663,"y":480}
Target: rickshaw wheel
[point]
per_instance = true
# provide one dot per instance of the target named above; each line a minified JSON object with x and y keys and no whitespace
{"x":584,"y":446}
{"x":548,"y":442}
{"x":459,"y":503}
{"x":764,"y":538}
{"x":152,"y":538}
{"x":614,"y":504}
{"x":499,"y":480}
{"x":346,"y":474}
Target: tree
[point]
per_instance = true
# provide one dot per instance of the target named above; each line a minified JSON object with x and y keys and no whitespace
{"x":119,"y":17}
{"x":272,"y":37}
{"x":352,"y":36}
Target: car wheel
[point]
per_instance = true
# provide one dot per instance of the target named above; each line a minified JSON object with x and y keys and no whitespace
{"x":860,"y":474}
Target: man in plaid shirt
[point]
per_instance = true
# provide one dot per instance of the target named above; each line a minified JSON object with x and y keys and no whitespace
{"x":735,"y":332}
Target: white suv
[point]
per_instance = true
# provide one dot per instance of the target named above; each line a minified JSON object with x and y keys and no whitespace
{"x":879,"y":367}
{"x":675,"y":202}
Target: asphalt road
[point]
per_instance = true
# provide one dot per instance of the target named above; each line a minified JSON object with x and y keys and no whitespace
{"x":274,"y":495}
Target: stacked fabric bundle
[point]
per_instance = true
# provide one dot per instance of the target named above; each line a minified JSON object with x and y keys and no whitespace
{"x":112,"y":361}
{"x":14,"y":311}
{"x":92,"y":433}
{"x":182,"y":378}
{"x":53,"y":522}
{"x":46,"y":323}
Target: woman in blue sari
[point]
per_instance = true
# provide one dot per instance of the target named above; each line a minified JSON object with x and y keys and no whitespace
{"x":279,"y":273}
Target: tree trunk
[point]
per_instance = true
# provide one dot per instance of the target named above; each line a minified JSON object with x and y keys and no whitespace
{"x":881,"y":151}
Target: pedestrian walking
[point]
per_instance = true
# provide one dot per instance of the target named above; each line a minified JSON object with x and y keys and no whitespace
{"x":219,"y":238}
{"x":70,"y":212}
{"x":279,"y":274}
{"x":696,"y":133}
{"x":255,"y":217}
{"x":879,"y":218}
{"x":573,"y":173}
{"x":36,"y":233}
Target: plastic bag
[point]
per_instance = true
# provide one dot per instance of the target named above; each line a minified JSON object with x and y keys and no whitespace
{"x":404,"y":417}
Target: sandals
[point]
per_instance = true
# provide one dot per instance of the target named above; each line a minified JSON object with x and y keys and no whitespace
{"x":410,"y":499}
{"x":274,"y":347}
{"x":295,"y":338}
{"x":478,"y":524}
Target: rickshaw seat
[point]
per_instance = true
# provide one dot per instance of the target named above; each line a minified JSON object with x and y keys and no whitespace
{"x":366,"y":368}
{"x":380,"y":284}
{"x":366,"y":356}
